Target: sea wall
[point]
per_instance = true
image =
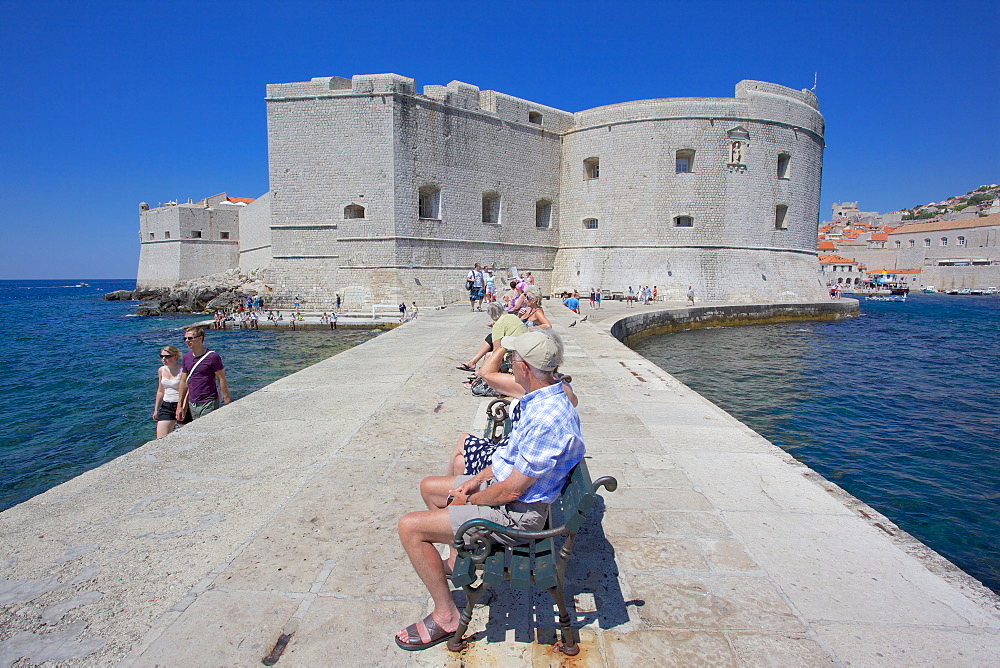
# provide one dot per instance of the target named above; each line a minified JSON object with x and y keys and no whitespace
{"x":649,"y":323}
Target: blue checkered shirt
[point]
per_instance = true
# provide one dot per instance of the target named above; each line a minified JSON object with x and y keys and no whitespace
{"x":544,"y":444}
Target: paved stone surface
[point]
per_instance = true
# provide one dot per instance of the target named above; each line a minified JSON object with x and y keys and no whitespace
{"x":277,"y":515}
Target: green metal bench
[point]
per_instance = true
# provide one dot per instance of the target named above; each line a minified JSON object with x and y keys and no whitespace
{"x":481,"y":563}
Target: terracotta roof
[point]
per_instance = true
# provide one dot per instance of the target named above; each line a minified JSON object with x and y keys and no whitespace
{"x":244,"y":200}
{"x":993,"y":219}
{"x":832,"y":259}
{"x":827,"y":245}
{"x":880,"y":236}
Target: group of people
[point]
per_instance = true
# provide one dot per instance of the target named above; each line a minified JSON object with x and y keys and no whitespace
{"x":481,"y":282}
{"x":188,"y":386}
{"x":511,"y":483}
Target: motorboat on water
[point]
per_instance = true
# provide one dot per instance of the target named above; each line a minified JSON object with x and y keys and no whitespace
{"x":929,"y":289}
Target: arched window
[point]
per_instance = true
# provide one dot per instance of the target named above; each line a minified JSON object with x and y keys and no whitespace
{"x":911,"y":243}
{"x":899,"y":244}
{"x":590,"y":223}
{"x":684,"y":161}
{"x":592,"y":168}
{"x":961,"y":241}
{"x":781,"y":217}
{"x":927,"y":243}
{"x":491,"y":207}
{"x":543,"y":213}
{"x":430,"y":202}
{"x":683,"y":221}
{"x":354,"y":211}
{"x":944,"y":241}
{"x":784,"y":165}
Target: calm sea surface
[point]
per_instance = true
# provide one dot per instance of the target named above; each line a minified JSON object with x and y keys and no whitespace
{"x":79,"y":376}
{"x":898,"y":406}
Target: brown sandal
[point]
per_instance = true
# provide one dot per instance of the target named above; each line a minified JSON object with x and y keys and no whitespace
{"x":436,"y":634}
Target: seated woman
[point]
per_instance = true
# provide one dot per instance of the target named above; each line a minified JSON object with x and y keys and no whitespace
{"x":532,"y":315}
{"x":472,"y":454}
{"x":501,"y":325}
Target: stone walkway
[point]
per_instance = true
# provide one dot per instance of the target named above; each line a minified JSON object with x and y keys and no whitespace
{"x":276,"y":515}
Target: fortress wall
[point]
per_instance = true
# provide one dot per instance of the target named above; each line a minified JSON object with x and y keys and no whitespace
{"x":736,"y":276}
{"x":639,"y":195}
{"x":463,"y":153}
{"x":201,"y":257}
{"x":327,"y":154}
{"x":159,"y":264}
{"x":255,"y":234}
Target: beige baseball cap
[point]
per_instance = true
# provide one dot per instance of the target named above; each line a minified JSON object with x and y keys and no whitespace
{"x":539,"y":350}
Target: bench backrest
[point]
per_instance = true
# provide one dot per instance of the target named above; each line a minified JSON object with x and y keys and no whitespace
{"x":578,"y":497}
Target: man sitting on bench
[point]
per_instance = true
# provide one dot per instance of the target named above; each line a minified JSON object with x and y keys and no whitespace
{"x":525,"y":477}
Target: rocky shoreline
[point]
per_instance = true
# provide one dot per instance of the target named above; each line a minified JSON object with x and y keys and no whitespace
{"x":198,"y":295}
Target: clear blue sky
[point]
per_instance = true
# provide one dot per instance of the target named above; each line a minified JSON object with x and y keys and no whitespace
{"x":107,"y":104}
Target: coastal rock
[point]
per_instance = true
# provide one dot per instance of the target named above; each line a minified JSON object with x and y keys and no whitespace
{"x":198,"y":295}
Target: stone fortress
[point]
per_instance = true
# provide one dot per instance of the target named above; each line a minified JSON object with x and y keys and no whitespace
{"x":383,"y":194}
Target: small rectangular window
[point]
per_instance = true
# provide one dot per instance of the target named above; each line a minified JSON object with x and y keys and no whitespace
{"x":152,"y":235}
{"x":592,"y":168}
{"x":683,"y":221}
{"x":781,"y":217}
{"x":543,"y":213}
{"x":961,"y":241}
{"x":784,"y":162}
{"x":166,"y":235}
{"x":196,"y":234}
{"x":223,"y":235}
{"x":534,"y":117}
{"x":590,"y":224}
{"x":684,"y":161}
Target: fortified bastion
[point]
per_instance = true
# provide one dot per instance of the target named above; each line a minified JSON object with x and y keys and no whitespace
{"x":380,"y":193}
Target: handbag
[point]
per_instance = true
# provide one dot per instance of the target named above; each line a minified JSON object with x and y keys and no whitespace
{"x":468,"y":284}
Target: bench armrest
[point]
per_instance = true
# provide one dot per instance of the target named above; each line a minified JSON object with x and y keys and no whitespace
{"x":607,"y":482}
{"x":482,"y":543}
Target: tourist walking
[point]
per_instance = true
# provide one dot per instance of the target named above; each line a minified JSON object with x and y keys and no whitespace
{"x":690,"y":296}
{"x":413,"y":311}
{"x":475,"y":283}
{"x":201,"y":370}
{"x":597,"y":296}
{"x":168,"y":378}
{"x":337,"y":306}
{"x":402,"y":311}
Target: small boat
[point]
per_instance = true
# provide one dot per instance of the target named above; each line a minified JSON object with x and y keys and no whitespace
{"x":886,"y":298}
{"x":990,"y":290}
{"x":929,"y":289}
{"x":964,"y":291}
{"x":82,"y":285}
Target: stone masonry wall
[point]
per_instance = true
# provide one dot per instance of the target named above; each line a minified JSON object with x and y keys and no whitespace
{"x":255,"y":234}
{"x":638,"y":196}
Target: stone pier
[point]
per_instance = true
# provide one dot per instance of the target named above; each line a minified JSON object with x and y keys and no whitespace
{"x":276,"y":516}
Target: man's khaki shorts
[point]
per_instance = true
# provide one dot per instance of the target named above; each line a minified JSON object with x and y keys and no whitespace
{"x":516,"y":515}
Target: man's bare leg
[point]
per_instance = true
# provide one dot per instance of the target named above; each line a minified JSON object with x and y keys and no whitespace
{"x":434,"y":490}
{"x":418,"y":532}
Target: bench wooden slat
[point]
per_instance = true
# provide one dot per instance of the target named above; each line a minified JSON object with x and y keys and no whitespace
{"x":493,"y":568}
{"x":545,"y":564}
{"x":520,"y":567}
{"x":464,"y":572}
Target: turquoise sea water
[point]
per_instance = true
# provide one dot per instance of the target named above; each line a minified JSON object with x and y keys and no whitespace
{"x":897,"y":406}
{"x":79,"y":380}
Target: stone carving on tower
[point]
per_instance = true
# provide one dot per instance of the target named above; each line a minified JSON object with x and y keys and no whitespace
{"x":739,"y":140}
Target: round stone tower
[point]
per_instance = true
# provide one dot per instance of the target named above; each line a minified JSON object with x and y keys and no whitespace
{"x":718,"y":193}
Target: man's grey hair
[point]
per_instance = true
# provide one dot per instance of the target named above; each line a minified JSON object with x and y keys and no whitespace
{"x":494,"y":310}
